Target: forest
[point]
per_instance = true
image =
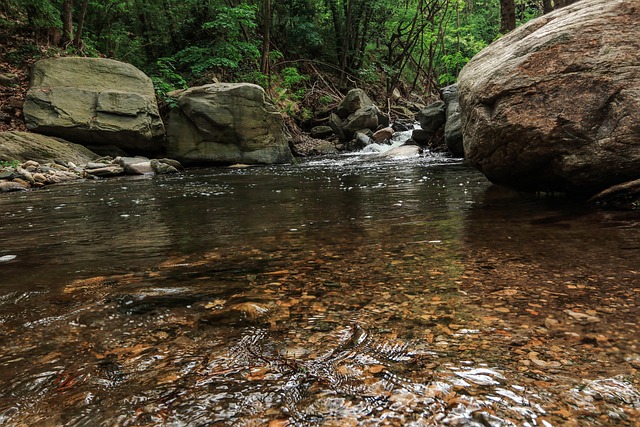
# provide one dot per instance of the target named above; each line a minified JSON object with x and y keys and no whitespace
{"x":304,"y":52}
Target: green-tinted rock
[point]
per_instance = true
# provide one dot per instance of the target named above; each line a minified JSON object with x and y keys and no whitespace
{"x":94,"y":101}
{"x":226,"y":124}
{"x":25,"y":146}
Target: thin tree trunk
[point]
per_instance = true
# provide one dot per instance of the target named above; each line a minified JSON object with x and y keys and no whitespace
{"x":83,"y":11}
{"x":346,"y":42}
{"x":145,"y":28}
{"x":563,"y":3}
{"x":337,"y":28}
{"x":170,"y":22}
{"x":507,"y":16}
{"x":67,"y":22}
{"x":266,"y":36}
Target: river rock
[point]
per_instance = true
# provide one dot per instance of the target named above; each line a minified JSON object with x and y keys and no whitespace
{"x":25,"y":174}
{"x":354,"y":100}
{"x":335,"y":123}
{"x":57,"y":176}
{"x":94,"y":101}
{"x":161,"y":167}
{"x":402,"y":152}
{"x":421,"y":137}
{"x":321,"y":132}
{"x":364,"y":118}
{"x":105,"y":171}
{"x":432,"y":117}
{"x":135,"y":165}
{"x":226,"y":123}
{"x":7,"y":173}
{"x":553,"y":105}
{"x":354,"y":113}
{"x":31,"y":165}
{"x":172,"y":162}
{"x":9,"y":186}
{"x":9,"y":79}
{"x":24,"y":146}
{"x":453,"y":125}
{"x":383,"y":134}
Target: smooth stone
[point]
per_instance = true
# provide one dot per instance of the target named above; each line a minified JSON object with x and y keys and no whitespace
{"x":9,"y":186}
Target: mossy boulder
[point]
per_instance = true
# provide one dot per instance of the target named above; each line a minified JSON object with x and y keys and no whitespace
{"x":226,"y":123}
{"x":94,"y":101}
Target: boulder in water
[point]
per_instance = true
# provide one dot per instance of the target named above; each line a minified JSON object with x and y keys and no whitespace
{"x":383,"y":134}
{"x":226,"y":123}
{"x":401,"y":152}
{"x":135,"y":165}
{"x":553,"y":105}
{"x":10,"y":186}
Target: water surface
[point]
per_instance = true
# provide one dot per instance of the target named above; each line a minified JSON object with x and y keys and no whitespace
{"x":334,"y":292}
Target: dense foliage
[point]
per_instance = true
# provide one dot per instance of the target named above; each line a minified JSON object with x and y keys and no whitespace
{"x":409,"y":45}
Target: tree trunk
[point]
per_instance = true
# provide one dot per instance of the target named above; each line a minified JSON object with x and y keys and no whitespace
{"x":266,"y":36}
{"x":563,"y":3}
{"x":547,"y":6}
{"x":67,"y":22}
{"x":507,"y":16}
{"x":83,"y":11}
{"x":337,"y":27}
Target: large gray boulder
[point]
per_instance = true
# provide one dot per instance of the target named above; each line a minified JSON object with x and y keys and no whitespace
{"x":226,"y":123}
{"x":553,"y":105}
{"x":24,"y":146}
{"x":94,"y":101}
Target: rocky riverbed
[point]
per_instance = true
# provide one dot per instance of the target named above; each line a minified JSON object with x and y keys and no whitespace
{"x":23,"y":176}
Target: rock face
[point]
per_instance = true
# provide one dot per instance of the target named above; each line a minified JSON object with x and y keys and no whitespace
{"x":24,"y":146}
{"x":553,"y":106}
{"x":225,"y":123}
{"x":94,"y":101}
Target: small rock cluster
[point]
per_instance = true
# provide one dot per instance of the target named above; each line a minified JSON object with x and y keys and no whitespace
{"x":358,"y":123}
{"x":31,"y":174}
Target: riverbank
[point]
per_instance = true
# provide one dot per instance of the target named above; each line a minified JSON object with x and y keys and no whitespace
{"x":23,"y":176}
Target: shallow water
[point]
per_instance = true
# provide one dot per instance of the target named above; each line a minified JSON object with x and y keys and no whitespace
{"x":334,"y":292}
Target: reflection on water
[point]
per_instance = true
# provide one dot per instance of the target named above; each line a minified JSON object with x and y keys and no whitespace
{"x":331,"y":293}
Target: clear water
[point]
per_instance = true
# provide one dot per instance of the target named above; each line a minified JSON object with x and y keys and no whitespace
{"x":335,"y":292}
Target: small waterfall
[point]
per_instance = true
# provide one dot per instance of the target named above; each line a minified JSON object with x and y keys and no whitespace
{"x":398,"y":139}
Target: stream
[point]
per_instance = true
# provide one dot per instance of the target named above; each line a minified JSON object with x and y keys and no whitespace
{"x":348,"y":291}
